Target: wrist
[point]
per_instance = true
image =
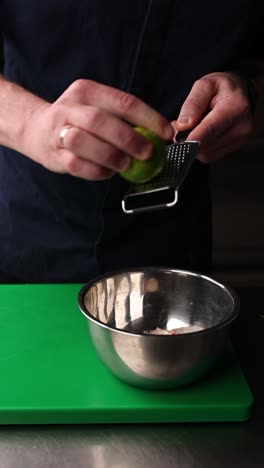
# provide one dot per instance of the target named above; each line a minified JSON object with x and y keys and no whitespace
{"x":19,"y":109}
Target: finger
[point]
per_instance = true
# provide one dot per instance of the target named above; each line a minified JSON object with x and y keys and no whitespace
{"x":92,"y":149}
{"x":196,"y":104}
{"x":78,"y":167}
{"x":211,"y":155}
{"x":223,"y":117}
{"x":124,"y":105}
{"x":229,"y":142}
{"x":110,"y":129}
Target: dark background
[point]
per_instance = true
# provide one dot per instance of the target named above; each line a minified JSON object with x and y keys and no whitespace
{"x":238,"y":215}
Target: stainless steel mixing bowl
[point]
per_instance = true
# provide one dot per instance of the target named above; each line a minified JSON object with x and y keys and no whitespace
{"x":120,"y":307}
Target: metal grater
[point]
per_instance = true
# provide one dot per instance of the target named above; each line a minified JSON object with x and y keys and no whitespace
{"x":162,"y":191}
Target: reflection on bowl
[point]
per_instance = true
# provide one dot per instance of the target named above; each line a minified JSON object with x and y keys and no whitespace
{"x":128,"y":310}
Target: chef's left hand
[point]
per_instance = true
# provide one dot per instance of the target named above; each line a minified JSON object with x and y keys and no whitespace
{"x":219,"y":112}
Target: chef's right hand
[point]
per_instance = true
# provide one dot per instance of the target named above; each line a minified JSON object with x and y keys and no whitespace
{"x":88,"y":132}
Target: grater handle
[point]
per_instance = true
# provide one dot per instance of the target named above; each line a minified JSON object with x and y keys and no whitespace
{"x":150,"y":201}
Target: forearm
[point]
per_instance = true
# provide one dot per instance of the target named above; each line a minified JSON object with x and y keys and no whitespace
{"x":18,"y":108}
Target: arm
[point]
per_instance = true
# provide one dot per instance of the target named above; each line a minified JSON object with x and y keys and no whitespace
{"x":100,"y":139}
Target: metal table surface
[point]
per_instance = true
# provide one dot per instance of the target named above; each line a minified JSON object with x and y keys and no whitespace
{"x":171,"y":445}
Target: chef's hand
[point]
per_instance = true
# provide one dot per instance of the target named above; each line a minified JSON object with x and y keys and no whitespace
{"x":88,"y":131}
{"x":219,"y":112}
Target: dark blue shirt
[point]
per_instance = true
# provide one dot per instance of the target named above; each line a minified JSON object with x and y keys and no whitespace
{"x":51,"y":225}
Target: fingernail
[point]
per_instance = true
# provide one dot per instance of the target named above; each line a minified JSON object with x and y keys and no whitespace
{"x":184,"y":119}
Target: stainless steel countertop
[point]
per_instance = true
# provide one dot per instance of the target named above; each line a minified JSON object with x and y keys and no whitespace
{"x":171,"y":445}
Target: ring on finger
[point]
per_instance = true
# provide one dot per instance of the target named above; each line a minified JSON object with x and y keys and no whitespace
{"x":63,"y":133}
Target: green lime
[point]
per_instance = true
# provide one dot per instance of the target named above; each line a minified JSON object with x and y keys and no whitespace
{"x":143,"y":171}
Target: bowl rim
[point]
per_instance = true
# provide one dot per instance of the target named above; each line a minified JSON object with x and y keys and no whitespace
{"x":231,"y":292}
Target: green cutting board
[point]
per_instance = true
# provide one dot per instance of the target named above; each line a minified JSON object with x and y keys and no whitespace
{"x":50,"y":373}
